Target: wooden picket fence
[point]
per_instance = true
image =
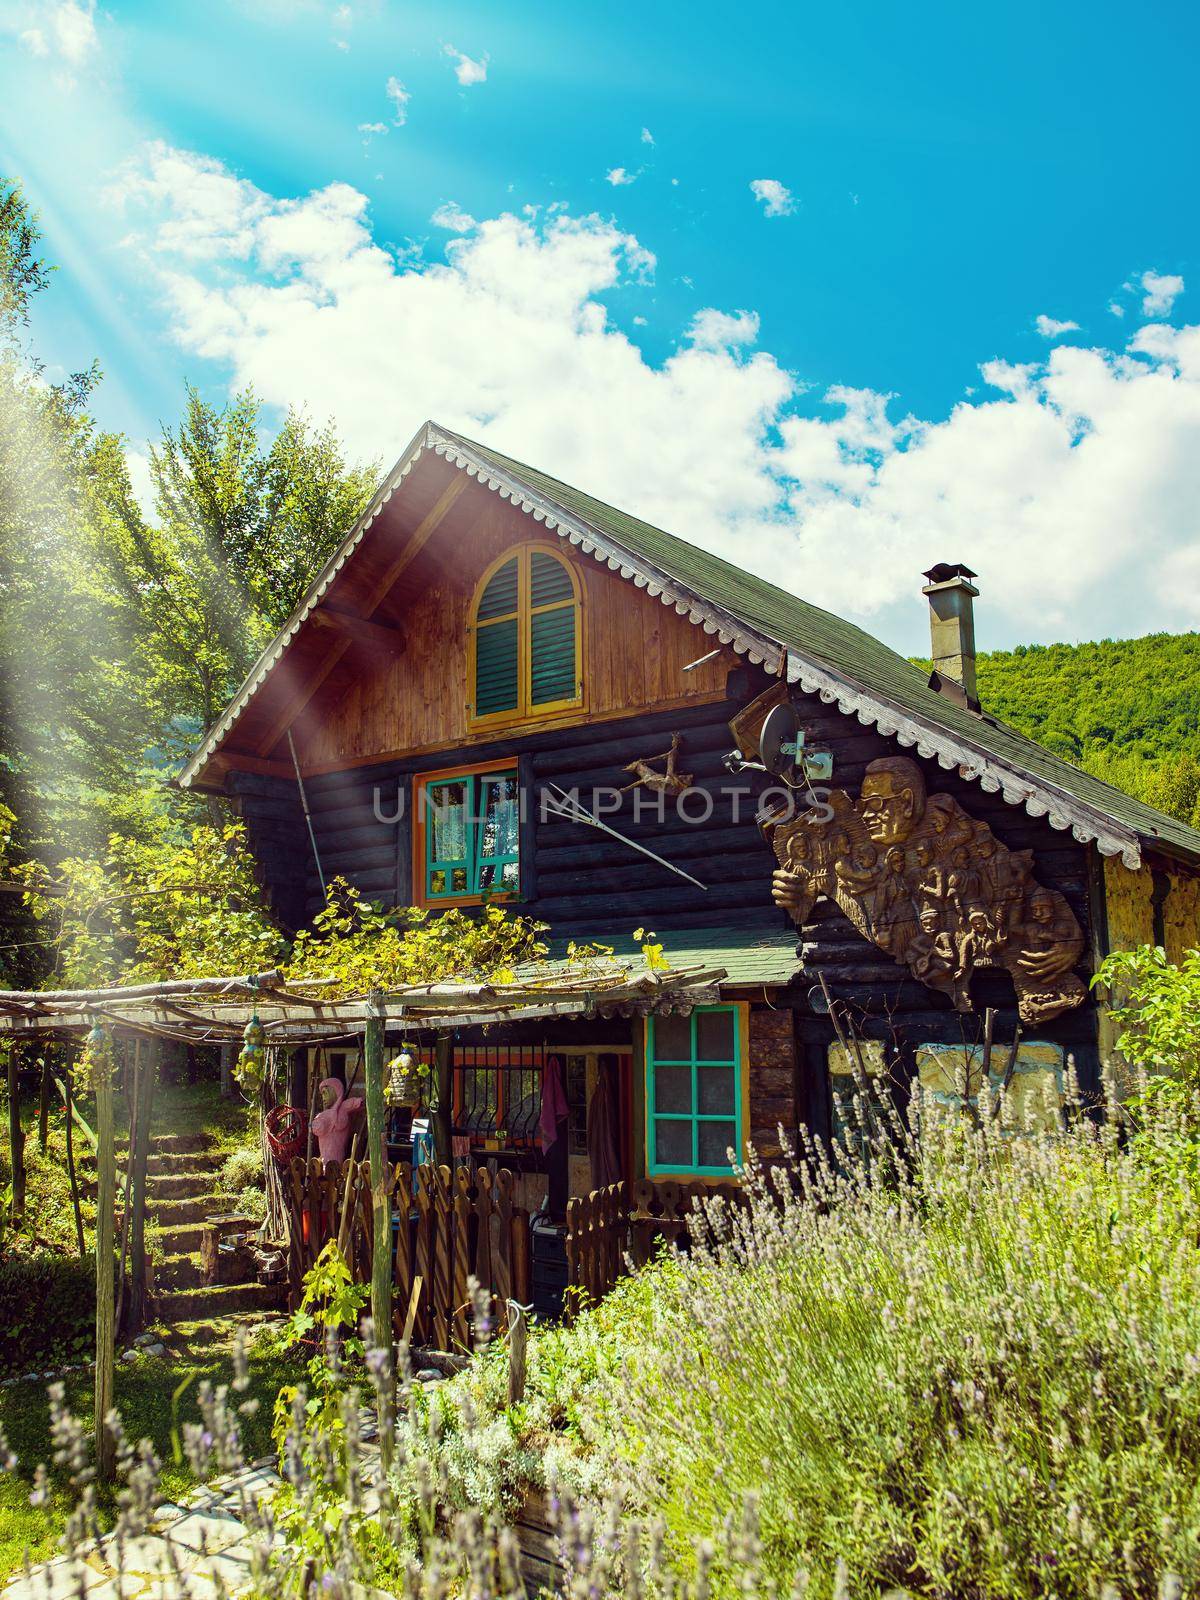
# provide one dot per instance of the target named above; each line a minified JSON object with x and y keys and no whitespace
{"x":446,"y":1228}
{"x":451,"y":1226}
{"x":613,"y":1229}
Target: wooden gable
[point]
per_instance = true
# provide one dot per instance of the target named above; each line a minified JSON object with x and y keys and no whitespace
{"x":406,"y":691}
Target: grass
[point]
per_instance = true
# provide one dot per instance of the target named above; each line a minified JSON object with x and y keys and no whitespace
{"x":146,"y":1392}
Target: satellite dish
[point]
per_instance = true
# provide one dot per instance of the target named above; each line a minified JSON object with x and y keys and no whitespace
{"x":778,"y":743}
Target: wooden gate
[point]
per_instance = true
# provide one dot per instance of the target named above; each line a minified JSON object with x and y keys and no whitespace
{"x":446,"y":1228}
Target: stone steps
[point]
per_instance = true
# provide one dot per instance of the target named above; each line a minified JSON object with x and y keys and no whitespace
{"x":199,"y":1162}
{"x":219,"y":1301}
{"x":179,"y":1212}
{"x":181,"y":1240}
{"x":172,"y":1143}
{"x":179,"y":1186}
{"x":176,"y":1272}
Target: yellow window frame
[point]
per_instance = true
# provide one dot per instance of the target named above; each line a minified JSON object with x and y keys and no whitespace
{"x":524,"y":710}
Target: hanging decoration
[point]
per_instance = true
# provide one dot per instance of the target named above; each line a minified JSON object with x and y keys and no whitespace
{"x":251,"y":1065}
{"x":97,"y":1059}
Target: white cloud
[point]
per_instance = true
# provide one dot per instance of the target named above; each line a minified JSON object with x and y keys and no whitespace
{"x":373,"y":127}
{"x":618,"y":177}
{"x":466,"y":70}
{"x":59,"y":31}
{"x":453,"y":218}
{"x":1162,"y":291}
{"x":1071,"y":484}
{"x":1049,"y":328}
{"x":720,"y":330}
{"x":1116,"y":308}
{"x":777,"y":199}
{"x":399,"y":96}
{"x":647,"y":136}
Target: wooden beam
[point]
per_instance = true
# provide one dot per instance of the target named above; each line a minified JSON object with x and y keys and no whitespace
{"x":419,"y":538}
{"x":422,"y":533}
{"x":359,"y":631}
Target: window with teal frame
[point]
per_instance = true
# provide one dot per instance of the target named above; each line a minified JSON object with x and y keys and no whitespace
{"x":694,"y":1091}
{"x":472,"y":836}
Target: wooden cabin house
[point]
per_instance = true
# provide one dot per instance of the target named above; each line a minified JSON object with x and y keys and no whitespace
{"x":491,"y":650}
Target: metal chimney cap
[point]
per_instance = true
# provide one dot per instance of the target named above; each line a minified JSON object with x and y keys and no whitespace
{"x":943,"y":571}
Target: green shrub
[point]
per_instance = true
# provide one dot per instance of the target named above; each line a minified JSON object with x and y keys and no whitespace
{"x":243,"y":1169}
{"x":1159,"y":1010}
{"x":47,"y":1311}
{"x":252,"y":1203}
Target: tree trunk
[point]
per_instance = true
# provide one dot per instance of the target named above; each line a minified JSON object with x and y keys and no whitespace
{"x":228,"y":1057}
{"x":16,"y":1137}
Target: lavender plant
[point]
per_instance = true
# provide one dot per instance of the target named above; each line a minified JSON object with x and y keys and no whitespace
{"x":953,"y":1358}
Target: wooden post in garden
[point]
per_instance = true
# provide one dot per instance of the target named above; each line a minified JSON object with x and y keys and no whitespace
{"x":138,"y":1156}
{"x":518,"y":1328}
{"x":381,"y":1205}
{"x":443,"y":1097}
{"x":44,"y":1102}
{"x":100,"y":1055}
{"x":16,"y":1135}
{"x":377,"y":1155}
{"x":68,"y":1076}
{"x":228,"y":1057}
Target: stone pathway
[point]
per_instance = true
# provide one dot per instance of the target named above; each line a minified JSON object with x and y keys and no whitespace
{"x":205,"y":1532}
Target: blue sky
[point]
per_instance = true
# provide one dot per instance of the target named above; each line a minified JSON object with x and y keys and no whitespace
{"x":772,"y":279}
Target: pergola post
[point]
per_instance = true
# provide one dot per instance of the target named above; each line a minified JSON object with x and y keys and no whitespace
{"x":106,"y":1199}
{"x":381,"y":1209}
{"x":16,"y":1135}
{"x":148,"y":1051}
{"x":443,"y":1099}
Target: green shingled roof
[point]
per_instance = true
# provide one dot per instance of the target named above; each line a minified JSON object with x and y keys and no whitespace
{"x":753,"y":957}
{"x":844,"y":649}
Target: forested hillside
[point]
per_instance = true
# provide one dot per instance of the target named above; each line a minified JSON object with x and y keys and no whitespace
{"x":1128,"y":710}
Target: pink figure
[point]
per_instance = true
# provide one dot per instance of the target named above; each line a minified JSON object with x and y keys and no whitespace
{"x":332,"y":1126}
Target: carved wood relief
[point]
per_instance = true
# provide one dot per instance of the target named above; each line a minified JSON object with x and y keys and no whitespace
{"x":932,"y":887}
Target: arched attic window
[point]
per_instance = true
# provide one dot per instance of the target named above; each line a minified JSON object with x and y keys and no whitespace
{"x":526,"y":638}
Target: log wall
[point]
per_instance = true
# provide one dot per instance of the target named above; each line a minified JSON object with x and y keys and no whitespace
{"x":587,"y":885}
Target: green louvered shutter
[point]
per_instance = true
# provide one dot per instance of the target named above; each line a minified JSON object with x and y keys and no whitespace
{"x":497,"y":686}
{"x":551,"y":631}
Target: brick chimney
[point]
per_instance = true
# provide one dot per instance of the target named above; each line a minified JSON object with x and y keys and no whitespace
{"x":952,"y":632}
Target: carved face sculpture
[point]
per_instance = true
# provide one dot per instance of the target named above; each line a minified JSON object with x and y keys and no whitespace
{"x":892,"y":799}
{"x":924,"y":853}
{"x":1041,"y":907}
{"x":895,"y":861}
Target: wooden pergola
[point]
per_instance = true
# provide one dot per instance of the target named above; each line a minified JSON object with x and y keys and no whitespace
{"x":295,"y":1013}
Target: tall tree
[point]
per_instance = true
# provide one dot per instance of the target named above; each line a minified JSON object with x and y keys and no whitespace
{"x":238,"y":532}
